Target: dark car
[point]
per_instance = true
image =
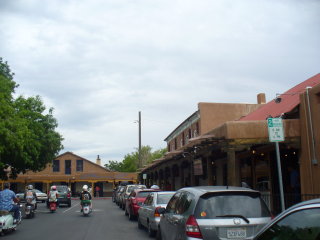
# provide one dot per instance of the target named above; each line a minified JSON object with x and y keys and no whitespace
{"x":135,"y":201}
{"x":64,"y":195}
{"x":213,"y":212}
{"x":301,"y":222}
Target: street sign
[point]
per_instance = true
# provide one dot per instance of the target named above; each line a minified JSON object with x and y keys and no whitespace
{"x":144,"y":176}
{"x":275,"y":129}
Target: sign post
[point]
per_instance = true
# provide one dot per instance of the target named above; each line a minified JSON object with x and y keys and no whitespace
{"x":275,"y":129}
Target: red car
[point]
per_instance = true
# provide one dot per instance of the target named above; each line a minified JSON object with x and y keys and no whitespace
{"x":135,"y":200}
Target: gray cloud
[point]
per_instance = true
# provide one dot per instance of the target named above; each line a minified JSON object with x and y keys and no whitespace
{"x":99,"y":62}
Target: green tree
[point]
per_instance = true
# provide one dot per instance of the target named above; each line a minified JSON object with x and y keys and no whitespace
{"x":28,"y":139}
{"x":130,"y":163}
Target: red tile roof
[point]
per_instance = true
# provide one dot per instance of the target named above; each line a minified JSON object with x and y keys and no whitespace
{"x":289,"y":100}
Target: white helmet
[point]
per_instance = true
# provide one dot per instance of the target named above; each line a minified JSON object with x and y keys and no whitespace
{"x":85,"y":188}
{"x":155,"y":187}
{"x":30,"y":187}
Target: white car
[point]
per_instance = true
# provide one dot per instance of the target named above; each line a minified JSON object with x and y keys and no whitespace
{"x":41,"y":196}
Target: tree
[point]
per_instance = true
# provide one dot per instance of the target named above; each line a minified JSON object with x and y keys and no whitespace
{"x":130,"y":162}
{"x":28,"y":139}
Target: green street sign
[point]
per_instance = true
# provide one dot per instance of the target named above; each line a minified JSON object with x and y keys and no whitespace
{"x":275,"y":129}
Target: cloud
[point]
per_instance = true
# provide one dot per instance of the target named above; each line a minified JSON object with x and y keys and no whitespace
{"x":99,"y":63}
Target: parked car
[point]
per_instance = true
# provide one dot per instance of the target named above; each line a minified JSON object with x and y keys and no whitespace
{"x":213,"y":212}
{"x":125,"y":194}
{"x":41,"y":196}
{"x":64,"y":195}
{"x":301,"y":221}
{"x":117,"y":194}
{"x":135,"y":201}
{"x":148,"y":215}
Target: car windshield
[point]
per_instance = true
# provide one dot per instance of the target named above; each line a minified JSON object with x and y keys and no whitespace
{"x":216,"y":205}
{"x":62,"y":189}
{"x":142,"y":194}
{"x":164,"y":198}
{"x":37,"y":191}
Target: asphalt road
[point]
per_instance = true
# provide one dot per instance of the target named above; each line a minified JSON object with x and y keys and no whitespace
{"x":107,"y":221}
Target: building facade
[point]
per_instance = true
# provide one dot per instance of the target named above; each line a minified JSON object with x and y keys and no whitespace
{"x":74,"y":171}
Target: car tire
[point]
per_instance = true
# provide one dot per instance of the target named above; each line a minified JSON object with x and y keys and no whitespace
{"x":151,"y":232}
{"x":131,"y":217}
{"x":140,"y":226}
{"x":158,"y":236}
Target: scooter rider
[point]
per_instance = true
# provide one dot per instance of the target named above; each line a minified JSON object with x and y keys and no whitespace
{"x":85,"y":197}
{"x":53,"y":194}
{"x":7,"y":197}
{"x":30,"y":196}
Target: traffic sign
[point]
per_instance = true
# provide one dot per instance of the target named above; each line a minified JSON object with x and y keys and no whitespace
{"x":275,"y":129}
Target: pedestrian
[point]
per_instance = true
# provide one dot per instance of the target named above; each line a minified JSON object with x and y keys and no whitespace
{"x":97,"y":191}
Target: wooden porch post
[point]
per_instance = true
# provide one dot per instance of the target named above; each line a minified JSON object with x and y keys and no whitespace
{"x":233,"y":168}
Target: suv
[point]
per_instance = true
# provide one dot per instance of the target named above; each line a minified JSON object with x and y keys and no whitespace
{"x":64,"y":195}
{"x":213,"y":212}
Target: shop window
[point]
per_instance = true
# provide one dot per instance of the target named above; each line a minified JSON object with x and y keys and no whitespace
{"x":79,"y":165}
{"x":67,"y":166}
{"x":56,"y":166}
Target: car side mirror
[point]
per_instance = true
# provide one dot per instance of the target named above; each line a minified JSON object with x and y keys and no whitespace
{"x":161,"y":210}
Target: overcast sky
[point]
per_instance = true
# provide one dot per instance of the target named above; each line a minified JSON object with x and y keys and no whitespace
{"x":99,"y":62}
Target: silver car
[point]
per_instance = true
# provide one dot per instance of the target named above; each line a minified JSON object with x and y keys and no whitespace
{"x":213,"y":212}
{"x":301,"y":221}
{"x":148,"y":215}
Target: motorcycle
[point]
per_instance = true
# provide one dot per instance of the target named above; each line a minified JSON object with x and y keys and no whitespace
{"x":53,"y":206}
{"x":6,"y":221}
{"x":86,"y":209}
{"x":29,"y":210}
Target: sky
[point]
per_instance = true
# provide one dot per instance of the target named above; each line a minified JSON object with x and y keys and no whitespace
{"x":99,"y":62}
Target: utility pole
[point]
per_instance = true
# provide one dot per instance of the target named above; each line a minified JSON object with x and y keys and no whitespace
{"x":139,"y":121}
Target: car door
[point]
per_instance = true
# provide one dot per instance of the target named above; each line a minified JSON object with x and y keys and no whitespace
{"x":167,"y":226}
{"x":144,"y":210}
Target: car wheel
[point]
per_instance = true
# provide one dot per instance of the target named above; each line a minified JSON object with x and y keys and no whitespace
{"x":131,"y":217}
{"x":140,"y":226}
{"x":158,"y":236}
{"x":151,"y":232}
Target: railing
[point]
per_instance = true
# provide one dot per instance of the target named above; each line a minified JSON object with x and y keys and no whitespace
{"x":274,"y":204}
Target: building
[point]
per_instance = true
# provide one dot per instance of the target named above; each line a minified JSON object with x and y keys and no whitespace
{"x":74,"y":171}
{"x":235,"y":150}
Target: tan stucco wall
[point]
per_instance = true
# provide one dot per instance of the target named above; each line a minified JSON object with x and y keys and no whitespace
{"x":213,"y":115}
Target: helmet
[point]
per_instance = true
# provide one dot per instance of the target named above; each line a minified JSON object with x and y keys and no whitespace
{"x":85,"y":188}
{"x":30,"y":187}
{"x":53,"y":188}
{"x":155,"y":187}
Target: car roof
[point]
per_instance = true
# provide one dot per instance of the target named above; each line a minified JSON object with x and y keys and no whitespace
{"x":200,"y":190}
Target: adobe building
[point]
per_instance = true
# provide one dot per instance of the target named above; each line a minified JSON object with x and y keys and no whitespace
{"x":74,"y":171}
{"x":237,"y":151}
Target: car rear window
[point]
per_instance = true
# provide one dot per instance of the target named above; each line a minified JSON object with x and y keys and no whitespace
{"x":213,"y":205}
{"x":164,"y":198}
{"x":62,"y":188}
{"x":142,"y":194}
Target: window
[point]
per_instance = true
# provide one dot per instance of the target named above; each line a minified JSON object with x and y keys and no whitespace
{"x":56,"y":166}
{"x":164,"y":198}
{"x":79,"y":165}
{"x":67,"y":164}
{"x":184,"y":203}
{"x":172,"y":203}
{"x":175,"y":144}
{"x":303,"y":224}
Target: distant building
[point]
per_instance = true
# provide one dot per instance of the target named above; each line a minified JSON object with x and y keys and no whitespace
{"x":74,"y":171}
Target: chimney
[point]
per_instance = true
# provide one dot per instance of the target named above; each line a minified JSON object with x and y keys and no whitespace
{"x":261,"y":97}
{"x":98,"y":161}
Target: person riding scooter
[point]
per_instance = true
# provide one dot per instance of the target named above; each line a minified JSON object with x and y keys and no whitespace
{"x":85,"y":197}
{"x":7,"y":197}
{"x":30,"y":197}
{"x":53,"y":195}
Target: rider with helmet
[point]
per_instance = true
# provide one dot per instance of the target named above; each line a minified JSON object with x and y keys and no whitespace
{"x":155,"y":187}
{"x":7,"y":197}
{"x":30,"y":196}
{"x":85,"y":196}
{"x":53,"y":195}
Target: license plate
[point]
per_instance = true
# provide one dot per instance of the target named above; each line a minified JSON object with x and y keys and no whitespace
{"x":236,"y":233}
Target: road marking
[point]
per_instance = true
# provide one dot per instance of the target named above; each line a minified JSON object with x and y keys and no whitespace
{"x":70,"y":208}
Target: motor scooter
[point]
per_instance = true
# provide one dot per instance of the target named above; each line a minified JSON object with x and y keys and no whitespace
{"x":86,"y":209}
{"x":29,"y":210}
{"x":53,"y":206}
{"x":6,"y":221}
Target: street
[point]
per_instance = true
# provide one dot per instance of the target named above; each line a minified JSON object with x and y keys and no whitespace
{"x":106,"y":221}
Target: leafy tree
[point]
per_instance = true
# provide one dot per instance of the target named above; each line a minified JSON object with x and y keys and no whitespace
{"x":130,"y":163}
{"x":28,"y":140}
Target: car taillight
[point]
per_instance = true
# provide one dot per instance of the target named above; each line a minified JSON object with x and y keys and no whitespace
{"x":69,"y":195}
{"x":192,"y":228}
{"x":156,"y":213}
